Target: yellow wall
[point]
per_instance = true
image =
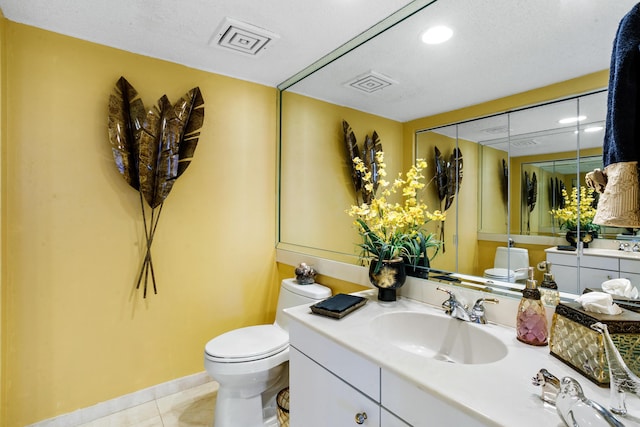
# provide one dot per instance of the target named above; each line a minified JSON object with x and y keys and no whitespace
{"x":315,"y":170}
{"x":3,"y":279}
{"x":74,"y":331}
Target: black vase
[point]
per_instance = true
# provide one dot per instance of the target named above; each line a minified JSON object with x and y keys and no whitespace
{"x":586,"y":237}
{"x":387,"y":276}
{"x":420,"y":270}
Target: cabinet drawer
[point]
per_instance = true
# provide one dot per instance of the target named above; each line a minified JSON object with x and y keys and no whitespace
{"x":569,"y":259}
{"x":629,"y":266}
{"x":352,"y":368}
{"x":601,"y":262}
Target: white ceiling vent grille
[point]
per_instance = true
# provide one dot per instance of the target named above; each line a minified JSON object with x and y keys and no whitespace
{"x":242,"y":37}
{"x":370,"y":82}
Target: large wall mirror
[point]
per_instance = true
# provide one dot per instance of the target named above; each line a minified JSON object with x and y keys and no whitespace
{"x":496,"y":92}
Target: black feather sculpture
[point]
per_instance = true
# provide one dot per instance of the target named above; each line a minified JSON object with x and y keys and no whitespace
{"x":351,"y":145}
{"x":152,"y":149}
{"x":531,"y":195}
{"x":371,"y":147}
{"x":504,"y":182}
{"x":454,"y":176}
{"x":441,"y":174}
{"x":448,"y":181}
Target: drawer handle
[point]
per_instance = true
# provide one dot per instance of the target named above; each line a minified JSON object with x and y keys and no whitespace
{"x":361,"y":417}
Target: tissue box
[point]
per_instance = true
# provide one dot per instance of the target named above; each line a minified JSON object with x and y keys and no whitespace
{"x":575,"y":343}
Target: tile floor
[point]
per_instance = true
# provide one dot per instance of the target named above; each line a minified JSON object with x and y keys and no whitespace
{"x":189,"y":408}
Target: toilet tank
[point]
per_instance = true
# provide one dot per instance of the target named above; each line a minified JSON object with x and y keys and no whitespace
{"x":293,"y":294}
{"x":515,"y":258}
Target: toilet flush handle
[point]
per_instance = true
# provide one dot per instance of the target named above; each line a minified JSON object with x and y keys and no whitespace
{"x":361,"y":417}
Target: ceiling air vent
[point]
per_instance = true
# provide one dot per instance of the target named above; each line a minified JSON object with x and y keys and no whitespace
{"x":242,"y":37}
{"x":370,"y":82}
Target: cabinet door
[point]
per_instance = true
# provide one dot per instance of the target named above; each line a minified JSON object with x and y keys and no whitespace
{"x":634,"y":278}
{"x":566,"y":278}
{"x":319,"y":399}
{"x":387,"y":419}
{"x":420,"y":408}
{"x":593,"y":277}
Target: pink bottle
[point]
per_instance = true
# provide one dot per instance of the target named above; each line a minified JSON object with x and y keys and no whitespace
{"x":531,"y":323}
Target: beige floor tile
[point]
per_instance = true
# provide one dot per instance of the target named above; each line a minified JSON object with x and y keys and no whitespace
{"x":145,"y":415}
{"x":190,"y":408}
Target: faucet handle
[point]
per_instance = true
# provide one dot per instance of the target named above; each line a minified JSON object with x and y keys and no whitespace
{"x":480,"y":301}
{"x":448,"y":305}
{"x":478,"y":309}
{"x":447,"y":291}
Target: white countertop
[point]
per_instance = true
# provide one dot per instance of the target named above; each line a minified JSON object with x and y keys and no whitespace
{"x":499,"y":393}
{"x":609,"y":253}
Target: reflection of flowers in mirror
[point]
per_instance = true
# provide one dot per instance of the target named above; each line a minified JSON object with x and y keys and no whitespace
{"x":582,"y":208}
{"x":389,"y":229}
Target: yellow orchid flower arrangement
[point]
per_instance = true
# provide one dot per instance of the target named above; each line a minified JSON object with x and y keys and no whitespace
{"x":390,"y":230}
{"x":583,"y":209}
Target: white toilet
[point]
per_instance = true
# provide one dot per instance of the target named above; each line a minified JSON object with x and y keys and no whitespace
{"x":251,"y":364}
{"x":509,"y":265}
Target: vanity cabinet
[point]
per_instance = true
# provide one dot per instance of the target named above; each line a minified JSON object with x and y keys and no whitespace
{"x":333,"y":386}
{"x":318,"y":398}
{"x":593,"y":271}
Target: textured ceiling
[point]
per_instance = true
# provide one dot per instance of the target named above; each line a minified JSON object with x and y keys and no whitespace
{"x":183,"y":31}
{"x":499,"y":47}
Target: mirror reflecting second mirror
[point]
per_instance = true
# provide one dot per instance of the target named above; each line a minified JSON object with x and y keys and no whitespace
{"x":502,"y":152}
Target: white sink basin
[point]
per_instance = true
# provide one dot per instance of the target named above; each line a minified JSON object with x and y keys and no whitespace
{"x":439,"y":337}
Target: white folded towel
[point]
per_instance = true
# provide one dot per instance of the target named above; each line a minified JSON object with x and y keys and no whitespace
{"x":621,"y":287}
{"x":599,"y":302}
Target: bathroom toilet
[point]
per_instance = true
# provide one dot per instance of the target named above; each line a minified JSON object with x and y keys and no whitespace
{"x":251,"y":364}
{"x":509,"y":265}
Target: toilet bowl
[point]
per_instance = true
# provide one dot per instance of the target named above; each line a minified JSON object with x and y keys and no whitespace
{"x":509,"y":265}
{"x":251,"y":364}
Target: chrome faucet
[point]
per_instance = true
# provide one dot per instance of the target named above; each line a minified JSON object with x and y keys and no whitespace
{"x":455,"y":308}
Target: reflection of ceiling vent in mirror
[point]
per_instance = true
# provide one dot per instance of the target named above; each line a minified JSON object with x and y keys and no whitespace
{"x":496,"y":130}
{"x":242,"y":37}
{"x":524,"y":142}
{"x":370,"y":82}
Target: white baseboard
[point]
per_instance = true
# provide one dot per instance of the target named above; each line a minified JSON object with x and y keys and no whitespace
{"x":91,"y":413}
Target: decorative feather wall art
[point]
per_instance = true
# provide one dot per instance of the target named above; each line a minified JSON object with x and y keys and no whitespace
{"x":531,"y":195}
{"x":371,"y":147}
{"x":152,"y":149}
{"x":448,"y":181}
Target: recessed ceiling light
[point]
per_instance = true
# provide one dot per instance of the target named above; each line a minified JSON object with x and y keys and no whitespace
{"x":568,"y":120}
{"x":437,"y":35}
{"x":593,"y":129}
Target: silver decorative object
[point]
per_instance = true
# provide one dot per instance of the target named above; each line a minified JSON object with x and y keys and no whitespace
{"x":549,"y":383}
{"x":305,"y":274}
{"x":622,"y":379}
{"x":577,"y":410}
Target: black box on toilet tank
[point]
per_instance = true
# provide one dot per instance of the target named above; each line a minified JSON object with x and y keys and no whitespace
{"x":575,"y":343}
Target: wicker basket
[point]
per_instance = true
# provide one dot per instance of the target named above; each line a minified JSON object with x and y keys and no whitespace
{"x":282,"y":400}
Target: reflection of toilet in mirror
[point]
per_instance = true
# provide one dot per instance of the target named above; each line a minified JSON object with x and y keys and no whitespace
{"x":509,"y":265}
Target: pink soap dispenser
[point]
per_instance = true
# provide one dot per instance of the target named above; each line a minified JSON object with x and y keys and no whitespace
{"x":531,"y":323}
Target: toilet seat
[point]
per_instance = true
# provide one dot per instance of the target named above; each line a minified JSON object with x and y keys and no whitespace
{"x":247,"y":344}
{"x":500,"y":274}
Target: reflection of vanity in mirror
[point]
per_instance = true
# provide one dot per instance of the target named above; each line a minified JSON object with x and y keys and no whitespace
{"x":490,"y":122}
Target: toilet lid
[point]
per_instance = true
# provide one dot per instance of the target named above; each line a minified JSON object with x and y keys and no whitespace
{"x":250,"y":343}
{"x":498,"y":273}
